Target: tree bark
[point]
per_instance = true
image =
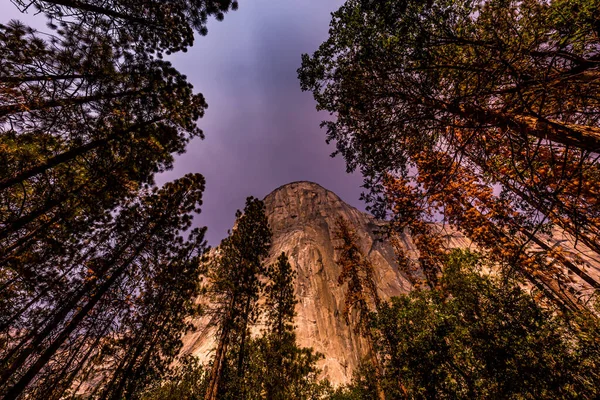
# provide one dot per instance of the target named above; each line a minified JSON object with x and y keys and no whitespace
{"x":217,"y":367}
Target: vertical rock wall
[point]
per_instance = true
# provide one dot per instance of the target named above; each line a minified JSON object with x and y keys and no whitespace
{"x":302,"y":216}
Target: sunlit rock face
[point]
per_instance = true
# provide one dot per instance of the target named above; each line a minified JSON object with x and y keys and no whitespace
{"x":302,"y":217}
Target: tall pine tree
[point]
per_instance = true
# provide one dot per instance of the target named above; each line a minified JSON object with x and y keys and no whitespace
{"x":361,"y":293}
{"x":234,"y":273}
{"x":481,"y":113}
{"x":280,"y":368}
{"x":129,"y":292}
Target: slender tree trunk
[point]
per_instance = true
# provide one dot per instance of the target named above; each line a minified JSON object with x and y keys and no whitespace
{"x":24,"y":239}
{"x":217,"y":367}
{"x":539,"y":204}
{"x":241,"y":355}
{"x":145,"y":342}
{"x":565,"y":297}
{"x":21,"y":222}
{"x":377,"y":365}
{"x":117,"y":393}
{"x":16,"y":390}
{"x":70,"y":305}
{"x":91,"y":348}
{"x":580,"y":136}
{"x":57,"y":382}
{"x":60,"y":316}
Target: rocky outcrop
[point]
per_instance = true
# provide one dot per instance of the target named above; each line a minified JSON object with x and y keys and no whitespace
{"x":302,"y":216}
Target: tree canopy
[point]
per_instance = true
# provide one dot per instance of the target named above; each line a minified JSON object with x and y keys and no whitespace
{"x":98,"y":267}
{"x":481,"y":114}
{"x":154,"y":26}
{"x":235,"y":274}
{"x":479,"y":335}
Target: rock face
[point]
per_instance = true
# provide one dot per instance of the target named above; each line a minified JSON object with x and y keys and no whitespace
{"x":302,"y":216}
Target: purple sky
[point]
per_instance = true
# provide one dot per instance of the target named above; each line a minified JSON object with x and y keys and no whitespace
{"x":261,"y":130}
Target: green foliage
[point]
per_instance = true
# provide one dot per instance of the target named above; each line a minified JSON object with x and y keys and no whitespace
{"x":280,"y":301}
{"x":158,"y":25}
{"x":482,"y":336}
{"x":274,"y":366}
{"x":85,"y":128}
{"x":186,"y":382}
{"x":357,"y":273}
{"x":234,"y":274}
{"x":441,"y":103}
{"x":279,"y":369}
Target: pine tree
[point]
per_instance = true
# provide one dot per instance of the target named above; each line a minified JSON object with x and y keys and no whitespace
{"x":361,"y":293}
{"x":289,"y":371}
{"x":234,"y":274}
{"x":130,"y":291}
{"x":84,"y":128}
{"x":96,"y":280}
{"x":483,"y":114}
{"x":147,"y":25}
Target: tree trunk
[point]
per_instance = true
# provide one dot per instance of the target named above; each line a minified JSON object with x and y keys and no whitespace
{"x":16,"y":390}
{"x":62,"y":314}
{"x":241,"y":355}
{"x":376,"y":365}
{"x":579,"y":136}
{"x":217,"y":367}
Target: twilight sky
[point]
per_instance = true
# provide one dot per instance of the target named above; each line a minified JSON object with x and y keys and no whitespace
{"x":261,"y":130}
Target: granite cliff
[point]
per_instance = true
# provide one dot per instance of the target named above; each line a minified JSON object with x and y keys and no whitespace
{"x":302,"y":216}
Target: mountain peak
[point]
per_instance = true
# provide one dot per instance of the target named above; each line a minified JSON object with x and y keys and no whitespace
{"x":302,"y":216}
{"x":298,"y":185}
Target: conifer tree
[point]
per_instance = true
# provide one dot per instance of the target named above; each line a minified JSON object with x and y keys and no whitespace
{"x":96,"y":280}
{"x":361,"y":293}
{"x":155,"y":25}
{"x":130,"y":290}
{"x":234,"y":273}
{"x":84,"y":127}
{"x":289,"y":371}
{"x":481,"y":113}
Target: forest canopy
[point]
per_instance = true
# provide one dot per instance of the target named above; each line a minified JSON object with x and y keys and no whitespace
{"x":483,"y":115}
{"x":479,"y":115}
{"x":99,"y":267}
